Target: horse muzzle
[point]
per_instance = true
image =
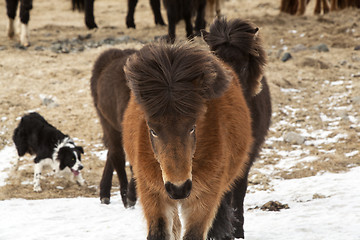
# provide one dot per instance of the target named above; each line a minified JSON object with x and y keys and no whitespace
{"x":178,"y":191}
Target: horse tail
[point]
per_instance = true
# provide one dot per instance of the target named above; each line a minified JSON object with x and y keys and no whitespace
{"x":78,"y":5}
{"x":237,"y":43}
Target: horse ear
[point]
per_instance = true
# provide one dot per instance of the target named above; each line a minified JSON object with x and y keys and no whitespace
{"x":215,"y":84}
{"x":255,"y":31}
{"x":129,"y":74}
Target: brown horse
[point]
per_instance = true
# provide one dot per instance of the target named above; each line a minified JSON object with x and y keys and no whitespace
{"x":187,"y":134}
{"x":111,"y":96}
{"x":238,"y":44}
{"x":298,"y":7}
{"x":213,"y":9}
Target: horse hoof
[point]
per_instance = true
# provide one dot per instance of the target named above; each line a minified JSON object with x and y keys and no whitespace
{"x":130,"y":24}
{"x":11,"y":29}
{"x":91,"y":25}
{"x":160,"y":22}
{"x":239,"y":233}
{"x":130,"y":203}
{"x":105,"y":201}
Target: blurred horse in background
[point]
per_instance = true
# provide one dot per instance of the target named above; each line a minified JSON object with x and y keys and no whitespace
{"x":298,"y":7}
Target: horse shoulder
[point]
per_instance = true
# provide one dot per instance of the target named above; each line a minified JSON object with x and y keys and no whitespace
{"x":236,"y":125}
{"x":224,"y":136}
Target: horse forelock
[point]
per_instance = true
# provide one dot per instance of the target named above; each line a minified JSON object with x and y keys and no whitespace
{"x":234,"y":38}
{"x":168,"y":79}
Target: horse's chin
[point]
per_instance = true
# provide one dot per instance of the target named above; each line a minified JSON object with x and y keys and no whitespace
{"x":178,"y":198}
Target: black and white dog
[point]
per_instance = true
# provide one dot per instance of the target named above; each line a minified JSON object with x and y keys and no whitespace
{"x":34,"y":135}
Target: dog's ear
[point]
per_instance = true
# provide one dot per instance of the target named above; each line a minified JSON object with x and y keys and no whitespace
{"x":62,"y":165}
{"x":80,"y":148}
{"x":20,"y":140}
{"x":61,"y":157}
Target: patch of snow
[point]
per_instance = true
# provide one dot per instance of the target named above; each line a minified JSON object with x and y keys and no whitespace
{"x":289,"y":90}
{"x":8,"y":156}
{"x":352,"y":154}
{"x":337,"y":83}
{"x":101,"y":155}
{"x":333,"y":216}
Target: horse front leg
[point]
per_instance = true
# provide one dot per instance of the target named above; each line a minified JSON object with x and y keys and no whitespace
{"x":117,"y":157}
{"x":106,"y":182}
{"x":334,"y":5}
{"x":301,"y":7}
{"x":200,"y":18}
{"x":170,"y":38}
{"x":317,"y":9}
{"x":132,"y":196}
{"x":326,"y":7}
{"x":238,"y":196}
{"x":160,"y":214}
{"x":189,"y":28}
{"x":130,"y":23}
{"x":11,"y":6}
{"x":156,"y":6}
{"x":223,"y":226}
{"x":89,"y":14}
{"x":218,"y":8}
{"x":25,"y":7}
{"x":198,"y":219}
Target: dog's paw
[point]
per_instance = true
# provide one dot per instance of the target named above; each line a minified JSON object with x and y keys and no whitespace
{"x":52,"y":173}
{"x":81,"y":182}
{"x":37,"y":188}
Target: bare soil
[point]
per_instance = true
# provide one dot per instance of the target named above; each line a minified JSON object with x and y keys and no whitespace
{"x":312,"y":92}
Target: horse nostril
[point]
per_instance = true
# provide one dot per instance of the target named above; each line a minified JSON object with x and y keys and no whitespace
{"x":179,"y":192}
{"x":188,"y":186}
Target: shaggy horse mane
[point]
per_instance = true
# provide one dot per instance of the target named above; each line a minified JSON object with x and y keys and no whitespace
{"x":175,"y":79}
{"x":228,"y":38}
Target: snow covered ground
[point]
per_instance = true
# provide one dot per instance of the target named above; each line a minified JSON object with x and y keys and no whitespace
{"x":325,"y":206}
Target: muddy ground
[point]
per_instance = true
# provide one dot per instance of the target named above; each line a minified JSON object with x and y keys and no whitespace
{"x":315,"y":94}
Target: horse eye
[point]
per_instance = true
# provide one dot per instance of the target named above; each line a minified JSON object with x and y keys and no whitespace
{"x":192,"y":130}
{"x":153,"y":133}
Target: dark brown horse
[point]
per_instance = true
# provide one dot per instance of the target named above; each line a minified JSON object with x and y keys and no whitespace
{"x":111,"y":96}
{"x":184,"y":10}
{"x":187,"y":134}
{"x":25,"y":8}
{"x":238,"y":44}
{"x":298,"y":7}
{"x":88,"y":7}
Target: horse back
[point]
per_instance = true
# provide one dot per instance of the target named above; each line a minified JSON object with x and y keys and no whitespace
{"x":108,"y":86}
